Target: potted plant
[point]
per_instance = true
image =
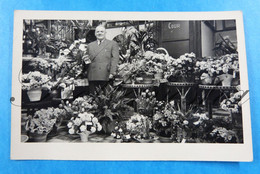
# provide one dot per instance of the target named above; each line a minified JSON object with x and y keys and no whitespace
{"x":139,"y":128}
{"x":112,"y":106}
{"x":84,"y":124}
{"x":34,"y":82}
{"x":182,"y":68}
{"x":41,"y":123}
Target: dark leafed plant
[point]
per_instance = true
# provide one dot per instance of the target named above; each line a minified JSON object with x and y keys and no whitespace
{"x":111,"y":105}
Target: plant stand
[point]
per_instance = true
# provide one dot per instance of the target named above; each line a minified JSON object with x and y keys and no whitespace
{"x":182,"y":90}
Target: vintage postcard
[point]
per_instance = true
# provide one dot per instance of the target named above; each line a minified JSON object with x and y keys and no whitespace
{"x":130,"y":86}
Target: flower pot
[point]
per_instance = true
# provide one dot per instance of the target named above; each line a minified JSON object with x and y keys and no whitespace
{"x":35,"y":137}
{"x":158,"y":76}
{"x":165,"y":139}
{"x":34,"y":94}
{"x":84,"y":136}
{"x":225,"y":79}
{"x":145,"y":140}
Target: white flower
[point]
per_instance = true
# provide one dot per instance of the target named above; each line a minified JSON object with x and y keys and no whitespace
{"x":127,"y":136}
{"x":83,"y":128}
{"x":69,"y":125}
{"x":172,"y":103}
{"x":82,"y":40}
{"x":66,"y":52}
{"x":120,"y":130}
{"x":71,"y":131}
{"x":77,"y":121}
{"x":95,"y":120}
{"x":93,"y":129}
{"x":185,"y":122}
{"x":88,"y":117}
{"x":113,"y":134}
{"x":82,"y":47}
{"x":88,"y":123}
{"x":99,"y":127}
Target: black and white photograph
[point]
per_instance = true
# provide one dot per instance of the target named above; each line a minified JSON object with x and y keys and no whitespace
{"x":96,"y":81}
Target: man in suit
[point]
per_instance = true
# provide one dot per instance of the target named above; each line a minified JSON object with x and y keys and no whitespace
{"x":104,"y":56}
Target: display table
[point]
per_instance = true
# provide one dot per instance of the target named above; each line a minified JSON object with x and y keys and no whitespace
{"x":139,"y":87}
{"x":206,"y":91}
{"x":183,"y":89}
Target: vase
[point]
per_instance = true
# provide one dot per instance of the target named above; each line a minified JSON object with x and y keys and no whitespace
{"x":84,"y":136}
{"x":34,"y":94}
{"x":158,"y":76}
{"x":36,"y":137}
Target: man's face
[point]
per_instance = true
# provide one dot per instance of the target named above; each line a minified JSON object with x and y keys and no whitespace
{"x":100,"y":33}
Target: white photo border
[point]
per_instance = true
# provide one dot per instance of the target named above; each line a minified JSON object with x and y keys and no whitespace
{"x":125,"y":151}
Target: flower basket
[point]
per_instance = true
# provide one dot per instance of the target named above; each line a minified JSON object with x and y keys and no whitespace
{"x":34,"y":94}
{"x":84,"y":136}
{"x":35,"y":137}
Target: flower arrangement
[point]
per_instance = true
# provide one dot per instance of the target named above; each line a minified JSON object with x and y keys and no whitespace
{"x":223,"y":135}
{"x":146,"y":102}
{"x":130,"y":71}
{"x":155,"y":62}
{"x":44,"y":120}
{"x":120,"y":132}
{"x":181,"y":68}
{"x":213,"y":67}
{"x":232,"y":104}
{"x":139,"y":126}
{"x":82,"y":122}
{"x":81,"y":105}
{"x":167,"y":121}
{"x":51,"y":67}
{"x":111,"y":106}
{"x":35,"y":80}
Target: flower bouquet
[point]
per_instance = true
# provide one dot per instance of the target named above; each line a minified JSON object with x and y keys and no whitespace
{"x":139,"y":127}
{"x":233,"y":105}
{"x":34,"y":82}
{"x":168,"y":122}
{"x":42,"y":122}
{"x":146,"y":102}
{"x":218,"y":69}
{"x":223,"y":135}
{"x":195,"y":126}
{"x":155,"y":64}
{"x":80,"y":105}
{"x":83,"y":124}
{"x":182,"y":68}
{"x":130,"y":72}
{"x":120,"y":133}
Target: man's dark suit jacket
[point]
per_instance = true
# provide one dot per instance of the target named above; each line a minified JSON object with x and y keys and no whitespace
{"x":104,"y":60}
